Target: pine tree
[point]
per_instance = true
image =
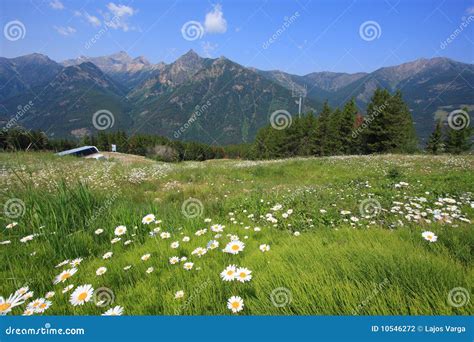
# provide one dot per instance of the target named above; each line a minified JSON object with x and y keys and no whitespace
{"x":435,"y":143}
{"x":346,"y":127}
{"x":322,"y":130}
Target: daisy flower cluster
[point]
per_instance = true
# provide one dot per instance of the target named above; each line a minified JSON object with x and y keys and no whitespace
{"x":232,"y":272}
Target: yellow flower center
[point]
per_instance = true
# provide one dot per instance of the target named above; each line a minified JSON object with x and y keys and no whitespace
{"x":229,"y":273}
{"x":243,"y":275}
{"x":65,"y":276}
{"x":429,"y":237}
{"x":82,"y":296}
{"x":235,"y":305}
{"x":235,"y":247}
{"x":43,"y":305}
{"x":5,"y":307}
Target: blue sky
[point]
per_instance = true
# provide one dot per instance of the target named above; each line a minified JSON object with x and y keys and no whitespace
{"x":297,"y":36}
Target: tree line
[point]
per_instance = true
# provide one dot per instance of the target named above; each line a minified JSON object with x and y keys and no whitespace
{"x":387,"y":127}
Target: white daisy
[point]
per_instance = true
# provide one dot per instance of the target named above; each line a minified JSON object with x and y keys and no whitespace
{"x":186,"y":239}
{"x":148,"y":219}
{"x":145,"y":257}
{"x":174,"y":260}
{"x":81,"y":295}
{"x":243,"y":274}
{"x":120,"y":230}
{"x":126,"y":268}
{"x":188,"y":266}
{"x":213,"y":244}
{"x":199,"y":251}
{"x":107,"y":255}
{"x":234,"y":247}
{"x":174,"y":245}
{"x":229,"y":273}
{"x":179,"y":294}
{"x":98,"y":231}
{"x":64,"y":275}
{"x":429,"y":236}
{"x":62,"y":263}
{"x":76,"y":262}
{"x":115,"y":311}
{"x":217,"y":228}
{"x":11,"y":225}
{"x":264,"y":247}
{"x":115,"y":240}
{"x":49,"y":294}
{"x":101,"y":270}
{"x":6,"y":305}
{"x":235,"y":304}
{"x":165,"y":235}
{"x":68,"y":288}
{"x":149,"y":270}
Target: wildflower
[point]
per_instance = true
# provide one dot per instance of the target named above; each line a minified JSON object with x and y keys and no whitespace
{"x":200,"y":232}
{"x":188,"y":266}
{"x":264,"y":248}
{"x":101,"y":270}
{"x":213,"y":244}
{"x":68,"y":288}
{"x":126,"y":268}
{"x":199,"y":251}
{"x":186,"y":239}
{"x":49,"y":294}
{"x":98,"y":231}
{"x":107,"y":255}
{"x":6,"y":305}
{"x":149,"y":270}
{"x":64,"y":275}
{"x":234,"y":247}
{"x":165,"y":235}
{"x":82,"y":294}
{"x":174,"y":260}
{"x":115,"y":240}
{"x":115,"y":311}
{"x":179,"y":294}
{"x":429,"y":236}
{"x":148,"y":219}
{"x":120,"y":230}
{"x":235,"y":304}
{"x":175,"y":244}
{"x":217,"y":228}
{"x":243,"y":274}
{"x":11,"y":225}
{"x":296,"y":234}
{"x":229,"y":273}
{"x":76,"y":262}
{"x":145,"y":257}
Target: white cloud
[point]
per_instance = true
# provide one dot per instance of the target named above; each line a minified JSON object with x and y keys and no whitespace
{"x":470,"y":10}
{"x":65,"y":31}
{"x":56,"y":4}
{"x":120,"y":10}
{"x":208,"y":48}
{"x":118,"y":15}
{"x":93,"y":20}
{"x":215,"y":21}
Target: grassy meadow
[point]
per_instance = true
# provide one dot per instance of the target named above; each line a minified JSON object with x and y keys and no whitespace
{"x":345,"y":234}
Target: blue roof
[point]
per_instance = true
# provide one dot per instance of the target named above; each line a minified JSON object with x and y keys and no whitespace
{"x":73,"y":150}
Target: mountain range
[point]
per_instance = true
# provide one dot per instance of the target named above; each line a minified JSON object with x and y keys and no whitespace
{"x":215,"y":101}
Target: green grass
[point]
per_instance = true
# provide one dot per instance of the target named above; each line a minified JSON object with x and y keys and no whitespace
{"x":375,"y":266}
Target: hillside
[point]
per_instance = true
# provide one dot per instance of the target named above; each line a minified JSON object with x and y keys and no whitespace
{"x":214,"y":101}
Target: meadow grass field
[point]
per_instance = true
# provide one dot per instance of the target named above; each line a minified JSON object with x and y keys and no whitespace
{"x":361,"y":235}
